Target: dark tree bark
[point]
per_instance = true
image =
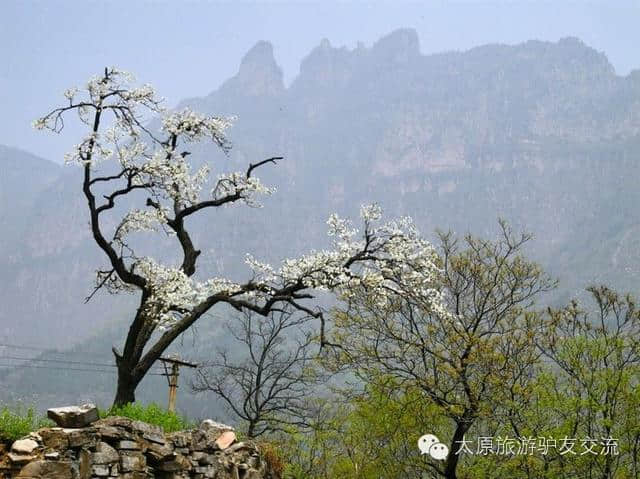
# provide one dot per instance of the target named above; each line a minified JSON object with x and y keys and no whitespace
{"x":451,"y":464}
{"x":126,"y":389}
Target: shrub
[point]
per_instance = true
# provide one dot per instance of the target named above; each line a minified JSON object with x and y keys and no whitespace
{"x":18,"y":422}
{"x":273,"y":458}
{"x":151,"y":414}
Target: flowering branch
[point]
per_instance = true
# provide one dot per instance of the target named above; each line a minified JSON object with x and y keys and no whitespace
{"x":386,"y":259}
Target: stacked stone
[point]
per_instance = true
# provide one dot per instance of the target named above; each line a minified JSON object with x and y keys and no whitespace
{"x":84,"y":447}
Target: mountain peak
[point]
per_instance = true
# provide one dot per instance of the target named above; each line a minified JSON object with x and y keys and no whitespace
{"x":399,"y":46}
{"x":259,"y":74}
{"x":259,"y":56}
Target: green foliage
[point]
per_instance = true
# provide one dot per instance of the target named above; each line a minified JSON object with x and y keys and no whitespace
{"x":18,"y":422}
{"x":151,"y":414}
{"x":372,"y":435}
{"x":584,"y":388}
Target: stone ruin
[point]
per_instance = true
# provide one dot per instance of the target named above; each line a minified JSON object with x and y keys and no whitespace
{"x":85,"y":447}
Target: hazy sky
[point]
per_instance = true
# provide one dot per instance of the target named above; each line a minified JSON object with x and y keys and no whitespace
{"x":187,"y":48}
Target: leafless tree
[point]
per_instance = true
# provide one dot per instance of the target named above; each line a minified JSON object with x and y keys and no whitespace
{"x":268,"y":385}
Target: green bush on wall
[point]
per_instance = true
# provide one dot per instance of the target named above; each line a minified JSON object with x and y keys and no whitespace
{"x":151,"y":414}
{"x":16,"y":423}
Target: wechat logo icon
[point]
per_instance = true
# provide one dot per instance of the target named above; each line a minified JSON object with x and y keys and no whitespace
{"x":430,"y":444}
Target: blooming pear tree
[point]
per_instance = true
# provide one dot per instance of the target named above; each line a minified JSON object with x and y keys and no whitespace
{"x":127,"y":163}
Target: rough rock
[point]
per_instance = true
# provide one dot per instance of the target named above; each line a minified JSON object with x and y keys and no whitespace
{"x":119,"y":447}
{"x":225,"y":440}
{"x":105,"y":454}
{"x":74,"y":416}
{"x":24,"y":446}
{"x":55,"y":438}
{"x":47,"y":470}
{"x":20,"y":458}
{"x":209,"y":424}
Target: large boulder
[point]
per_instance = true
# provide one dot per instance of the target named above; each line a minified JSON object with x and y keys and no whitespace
{"x":74,"y":416}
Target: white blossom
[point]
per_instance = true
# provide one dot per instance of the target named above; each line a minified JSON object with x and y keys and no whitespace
{"x":91,"y":146}
{"x":194,"y":126}
{"x":370,"y":212}
{"x":139,"y":221}
{"x":384,"y":258}
{"x":69,"y":93}
{"x":172,"y":177}
{"x":173,"y":292}
{"x":39,"y":123}
{"x":237,"y":183}
{"x":393,"y":260}
{"x":264,"y":272}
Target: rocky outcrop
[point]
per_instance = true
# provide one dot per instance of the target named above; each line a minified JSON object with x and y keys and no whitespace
{"x":124,"y":448}
{"x":259,"y":74}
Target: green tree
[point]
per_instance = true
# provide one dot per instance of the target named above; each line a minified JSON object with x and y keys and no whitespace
{"x":595,"y":356}
{"x":469,"y":362}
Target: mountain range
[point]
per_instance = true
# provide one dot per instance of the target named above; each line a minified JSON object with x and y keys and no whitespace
{"x":543,"y":134}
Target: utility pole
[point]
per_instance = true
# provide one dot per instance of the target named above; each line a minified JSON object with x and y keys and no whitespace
{"x":172,"y":377}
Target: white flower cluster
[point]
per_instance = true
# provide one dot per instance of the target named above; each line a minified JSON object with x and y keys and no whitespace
{"x":98,"y":87}
{"x":194,"y":126}
{"x":138,"y":221}
{"x":238,"y":183}
{"x":130,"y":150}
{"x":149,"y":160}
{"x":174,"y":293}
{"x":69,"y":93}
{"x":387,"y":259}
{"x":39,"y":123}
{"x":390,"y":259}
{"x":142,"y":94}
{"x":264,"y":272}
{"x":171,"y":177}
{"x":92,"y":147}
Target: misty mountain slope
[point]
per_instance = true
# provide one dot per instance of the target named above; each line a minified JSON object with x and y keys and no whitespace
{"x":22,"y":177}
{"x":543,"y":134}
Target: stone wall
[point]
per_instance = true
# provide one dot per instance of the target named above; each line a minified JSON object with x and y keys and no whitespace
{"x":121,"y":447}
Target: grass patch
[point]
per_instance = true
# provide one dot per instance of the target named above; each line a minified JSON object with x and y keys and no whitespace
{"x":18,"y":422}
{"x":151,"y":414}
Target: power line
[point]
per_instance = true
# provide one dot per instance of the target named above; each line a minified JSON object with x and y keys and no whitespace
{"x":19,"y":366}
{"x":47,"y":350}
{"x":35,"y":348}
{"x":15,"y":346}
{"x":63,"y":361}
{"x":58,"y":361}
